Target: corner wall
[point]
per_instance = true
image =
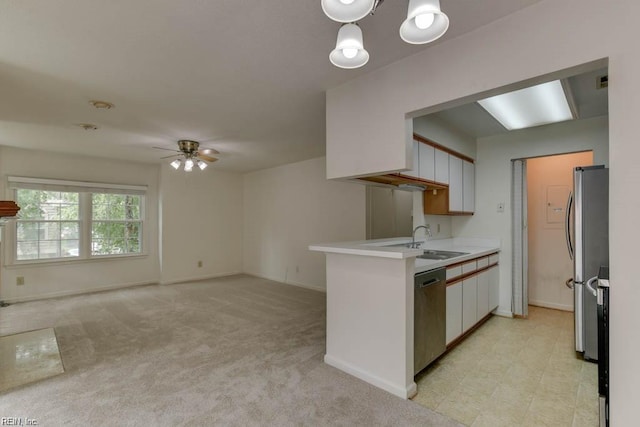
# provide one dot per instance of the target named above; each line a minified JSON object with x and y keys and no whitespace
{"x":201,"y":220}
{"x":289,"y":207}
{"x":72,"y":277}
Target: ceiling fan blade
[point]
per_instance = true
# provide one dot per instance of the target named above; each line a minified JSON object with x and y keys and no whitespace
{"x":208,"y":151}
{"x":206,"y":158}
{"x":173,"y":155}
{"x":168,"y":149}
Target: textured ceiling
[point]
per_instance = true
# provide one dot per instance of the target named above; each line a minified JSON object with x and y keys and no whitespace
{"x":244,"y":77}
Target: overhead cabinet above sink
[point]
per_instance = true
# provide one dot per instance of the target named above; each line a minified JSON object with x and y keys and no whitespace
{"x":447,"y":176}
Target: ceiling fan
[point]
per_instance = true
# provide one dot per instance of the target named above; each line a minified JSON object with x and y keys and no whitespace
{"x":190,"y":155}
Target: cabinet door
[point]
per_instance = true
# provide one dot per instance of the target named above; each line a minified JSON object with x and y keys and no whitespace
{"x":455,"y":184}
{"x":441,"y":166}
{"x":483,"y":294}
{"x":427,"y":162}
{"x":468,"y":186}
{"x":454,"y":311}
{"x":415,"y":172}
{"x":469,"y":302}
{"x":494,"y":287}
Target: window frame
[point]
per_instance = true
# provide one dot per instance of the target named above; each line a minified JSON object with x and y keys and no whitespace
{"x":85,"y":221}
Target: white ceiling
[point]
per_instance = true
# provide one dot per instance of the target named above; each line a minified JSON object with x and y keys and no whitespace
{"x":245,"y":77}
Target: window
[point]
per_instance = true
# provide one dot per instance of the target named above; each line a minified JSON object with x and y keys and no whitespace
{"x":116,"y":226}
{"x":61,"y":220}
{"x":48,"y":226}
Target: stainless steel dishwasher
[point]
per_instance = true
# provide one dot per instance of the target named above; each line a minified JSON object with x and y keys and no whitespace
{"x":429,"y":317}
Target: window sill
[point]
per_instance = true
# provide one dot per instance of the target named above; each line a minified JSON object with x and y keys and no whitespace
{"x":63,"y":261}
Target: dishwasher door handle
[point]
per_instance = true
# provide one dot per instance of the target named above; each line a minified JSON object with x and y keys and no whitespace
{"x":431,"y":282}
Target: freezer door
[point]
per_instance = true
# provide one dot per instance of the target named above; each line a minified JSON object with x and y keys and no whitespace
{"x":578,"y":289}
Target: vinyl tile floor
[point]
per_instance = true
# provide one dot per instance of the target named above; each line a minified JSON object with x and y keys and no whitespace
{"x":28,"y":357}
{"x":514,"y":372}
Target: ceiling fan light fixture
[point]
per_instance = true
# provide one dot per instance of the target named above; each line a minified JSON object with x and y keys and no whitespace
{"x":188,"y":165}
{"x":347,"y":10}
{"x":349,"y":52}
{"x":202,"y":165}
{"x":425,"y":22}
{"x":176,"y":164}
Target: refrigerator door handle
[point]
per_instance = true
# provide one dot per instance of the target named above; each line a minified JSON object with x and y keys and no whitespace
{"x":569,"y":283}
{"x":567,"y":225}
{"x":589,"y":286}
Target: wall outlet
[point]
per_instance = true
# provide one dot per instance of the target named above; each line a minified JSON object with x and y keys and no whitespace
{"x":199,"y":264}
{"x":20,"y":280}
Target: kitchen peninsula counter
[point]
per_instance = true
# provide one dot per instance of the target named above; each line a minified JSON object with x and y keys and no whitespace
{"x":370,"y":299}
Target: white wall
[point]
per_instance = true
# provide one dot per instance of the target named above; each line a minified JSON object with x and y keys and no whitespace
{"x":493,"y":179}
{"x":549,"y":181}
{"x":365,"y":135}
{"x":47,"y":280}
{"x":289,"y":207}
{"x":201,"y":220}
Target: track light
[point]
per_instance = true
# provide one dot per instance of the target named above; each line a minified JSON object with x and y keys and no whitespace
{"x":347,"y":10}
{"x":176,"y":164}
{"x":349,"y":51}
{"x":425,"y":22}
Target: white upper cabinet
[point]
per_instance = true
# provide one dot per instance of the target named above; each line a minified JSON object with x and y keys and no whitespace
{"x":468,"y":186}
{"x":442,"y":166}
{"x":455,"y":184}
{"x":427,"y":162}
{"x":415,"y":172}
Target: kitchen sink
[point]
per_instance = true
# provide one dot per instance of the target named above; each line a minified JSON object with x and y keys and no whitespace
{"x":440,"y":255}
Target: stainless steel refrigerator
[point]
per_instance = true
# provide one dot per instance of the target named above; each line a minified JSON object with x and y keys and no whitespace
{"x":587,"y":230}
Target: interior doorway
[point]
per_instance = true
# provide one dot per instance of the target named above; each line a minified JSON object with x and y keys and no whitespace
{"x":549,"y":183}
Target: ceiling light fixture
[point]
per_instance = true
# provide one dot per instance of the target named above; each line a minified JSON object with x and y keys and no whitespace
{"x":349,"y":51}
{"x":87,"y":126}
{"x":202,"y":165}
{"x":102,"y":105}
{"x":533,"y":106}
{"x":425,"y":23}
{"x":176,"y":164}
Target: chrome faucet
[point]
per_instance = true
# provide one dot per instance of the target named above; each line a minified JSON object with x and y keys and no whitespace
{"x":413,"y":235}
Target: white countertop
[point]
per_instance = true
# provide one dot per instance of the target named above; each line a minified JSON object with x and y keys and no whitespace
{"x":474,"y":247}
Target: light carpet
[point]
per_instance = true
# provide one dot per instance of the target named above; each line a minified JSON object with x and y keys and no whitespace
{"x":232,"y":351}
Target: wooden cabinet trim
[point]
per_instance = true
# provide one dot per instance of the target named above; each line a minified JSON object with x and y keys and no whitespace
{"x":460,"y":278}
{"x":441,"y":147}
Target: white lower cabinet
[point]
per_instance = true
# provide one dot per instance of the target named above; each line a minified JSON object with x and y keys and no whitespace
{"x":494,"y":287}
{"x":454,"y":311}
{"x":472,"y":299}
{"x":483,"y":294}
{"x":469,"y":302}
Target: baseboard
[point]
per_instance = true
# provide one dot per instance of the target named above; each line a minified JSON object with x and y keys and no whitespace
{"x":77,"y":292}
{"x":199,"y":278}
{"x":562,"y":307}
{"x":503,"y":313}
{"x":397,"y":390}
{"x":298,"y":284}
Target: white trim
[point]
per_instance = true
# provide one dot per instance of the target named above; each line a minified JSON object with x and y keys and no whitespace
{"x":563,"y":307}
{"x":79,"y":184}
{"x":503,"y":313}
{"x":298,"y":284}
{"x":199,"y":278}
{"x":77,"y":292}
{"x":395,"y":389}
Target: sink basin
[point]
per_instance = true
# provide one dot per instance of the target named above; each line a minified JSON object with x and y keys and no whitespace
{"x":440,"y":255}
